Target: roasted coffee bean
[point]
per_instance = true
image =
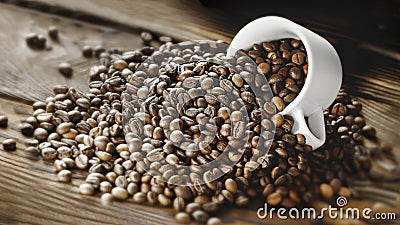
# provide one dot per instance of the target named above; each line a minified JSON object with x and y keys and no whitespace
{"x":86,"y":189}
{"x":178,"y":204}
{"x":41,"y":42}
{"x":65,"y":69}
{"x":139,"y":197}
{"x":119,"y":193}
{"x":326,"y":191}
{"x":9,"y":144}
{"x":214,"y":221}
{"x":200,"y":216}
{"x":274,"y":199}
{"x":182,"y":217}
{"x":87,"y":51}
{"x":369,"y":131}
{"x":107,"y":199}
{"x":146,"y":37}
{"x":3,"y":121}
{"x":64,"y":176}
{"x":26,"y":128}
{"x":53,"y":33}
{"x":263,"y":68}
{"x":32,"y":40}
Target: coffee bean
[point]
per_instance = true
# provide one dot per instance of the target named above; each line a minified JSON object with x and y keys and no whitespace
{"x":263,"y":68}
{"x":268,"y":47}
{"x":164,"y":200}
{"x":207,"y":83}
{"x":369,"y":131}
{"x":98,"y":50}
{"x":210,"y":207}
{"x":326,"y":191}
{"x":64,"y":176}
{"x":182,"y":218}
{"x":107,"y":199}
{"x":87,"y":51}
{"x":119,"y":193}
{"x":49,"y":153}
{"x":139,"y":197}
{"x":53,"y":33}
{"x":3,"y":121}
{"x":65,"y":69}
{"x":274,"y":199}
{"x":32,"y":40}
{"x":176,"y":136}
{"x":146,"y":37}
{"x":191,"y":207}
{"x":9,"y":144}
{"x":86,"y":189}
{"x":120,"y":64}
{"x":82,"y":161}
{"x":279,"y":103}
{"x":26,"y":129}
{"x":200,"y":216}
{"x":298,"y":58}
{"x":336,"y":184}
{"x":214,"y":221}
{"x":105,"y":187}
{"x":41,"y":42}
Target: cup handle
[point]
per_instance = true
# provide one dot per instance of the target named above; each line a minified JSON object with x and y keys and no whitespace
{"x":314,"y":131}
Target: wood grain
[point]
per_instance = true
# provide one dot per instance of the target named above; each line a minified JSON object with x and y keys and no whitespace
{"x":30,"y":192}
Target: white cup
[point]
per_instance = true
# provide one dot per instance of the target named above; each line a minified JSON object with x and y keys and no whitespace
{"x":324,"y":76}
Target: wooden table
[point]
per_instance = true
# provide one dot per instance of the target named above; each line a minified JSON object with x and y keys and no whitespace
{"x":29,"y":192}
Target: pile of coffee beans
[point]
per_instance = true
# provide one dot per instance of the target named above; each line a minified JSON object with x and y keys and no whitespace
{"x":148,"y":127}
{"x":293,"y":175}
{"x":285,"y":64}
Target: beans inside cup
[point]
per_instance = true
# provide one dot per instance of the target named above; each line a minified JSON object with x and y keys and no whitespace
{"x":285,"y":64}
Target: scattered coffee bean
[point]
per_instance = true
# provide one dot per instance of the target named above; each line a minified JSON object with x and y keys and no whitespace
{"x":146,"y":37}
{"x":87,"y":51}
{"x":98,"y":50}
{"x":9,"y":144}
{"x":107,"y":199}
{"x":214,"y":221}
{"x":41,"y":42}
{"x":86,"y":189}
{"x":26,"y":128}
{"x":182,"y":217}
{"x":65,"y":69}
{"x":3,"y":121}
{"x":32,"y":40}
{"x":64,"y":176}
{"x":53,"y":33}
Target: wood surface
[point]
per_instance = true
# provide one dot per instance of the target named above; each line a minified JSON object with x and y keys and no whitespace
{"x":29,"y":191}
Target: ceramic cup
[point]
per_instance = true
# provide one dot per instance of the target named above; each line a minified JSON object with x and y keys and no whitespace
{"x":324,"y":76}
